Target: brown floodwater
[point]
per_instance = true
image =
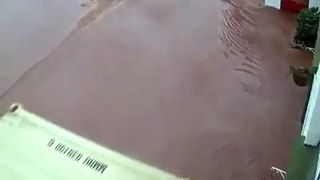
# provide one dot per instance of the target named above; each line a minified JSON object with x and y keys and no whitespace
{"x":29,"y":30}
{"x":199,"y":88}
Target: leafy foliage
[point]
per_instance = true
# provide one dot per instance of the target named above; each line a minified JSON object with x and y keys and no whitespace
{"x":308,"y":22}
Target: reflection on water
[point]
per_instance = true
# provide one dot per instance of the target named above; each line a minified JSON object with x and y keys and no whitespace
{"x":29,"y":30}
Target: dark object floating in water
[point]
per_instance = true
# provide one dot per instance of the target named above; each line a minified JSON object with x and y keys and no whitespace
{"x":300,"y":75}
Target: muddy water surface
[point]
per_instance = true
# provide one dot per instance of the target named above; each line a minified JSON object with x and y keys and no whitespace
{"x":29,"y":31}
{"x":199,"y":88}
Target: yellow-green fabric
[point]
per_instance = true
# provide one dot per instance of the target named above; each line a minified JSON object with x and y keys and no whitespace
{"x":32,"y":148}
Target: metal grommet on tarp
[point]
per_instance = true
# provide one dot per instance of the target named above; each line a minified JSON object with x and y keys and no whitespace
{"x":14,"y":107}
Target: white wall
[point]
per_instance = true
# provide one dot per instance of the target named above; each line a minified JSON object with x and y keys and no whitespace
{"x":313,"y":3}
{"x":311,"y":127}
{"x":273,"y":3}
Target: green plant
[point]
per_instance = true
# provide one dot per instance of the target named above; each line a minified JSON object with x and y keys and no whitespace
{"x":307,"y":27}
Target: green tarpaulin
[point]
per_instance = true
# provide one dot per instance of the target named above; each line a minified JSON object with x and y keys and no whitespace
{"x":32,"y":148}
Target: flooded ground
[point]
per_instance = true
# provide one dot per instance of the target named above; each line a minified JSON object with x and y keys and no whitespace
{"x":29,"y":31}
{"x":199,"y":88}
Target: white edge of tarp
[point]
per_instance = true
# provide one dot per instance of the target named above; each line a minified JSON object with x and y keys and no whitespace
{"x":97,"y":148}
